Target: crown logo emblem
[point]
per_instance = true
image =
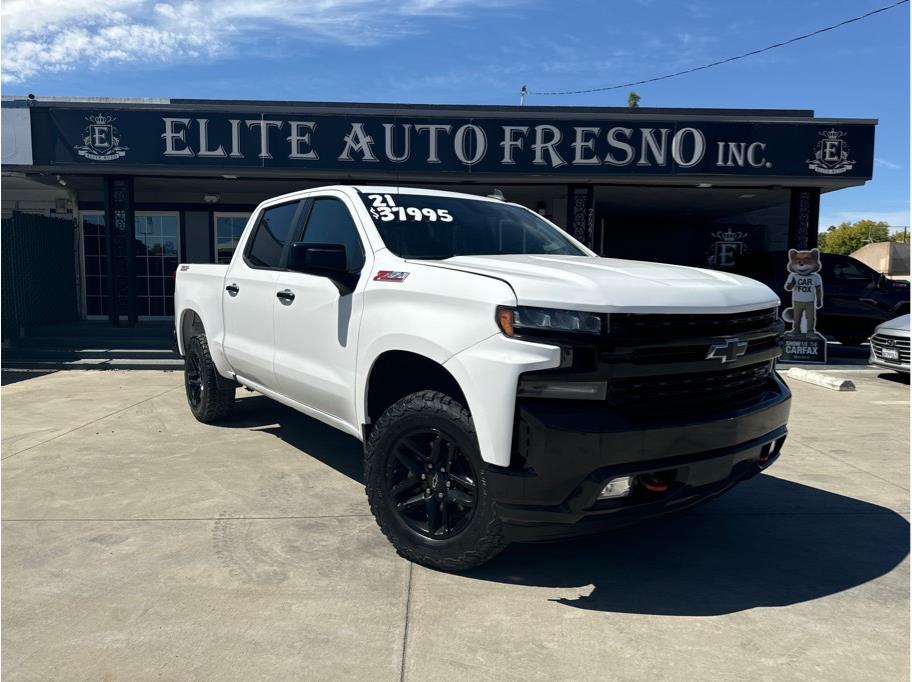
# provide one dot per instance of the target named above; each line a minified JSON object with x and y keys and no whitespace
{"x":100,"y":119}
{"x":832,"y":134}
{"x":728,"y":246}
{"x":831,"y":156}
{"x":101,"y":140}
{"x":729,"y":235}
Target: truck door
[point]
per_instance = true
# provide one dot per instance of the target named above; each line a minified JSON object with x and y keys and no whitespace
{"x":316,"y":326}
{"x":247,"y":301}
{"x":850,"y":296}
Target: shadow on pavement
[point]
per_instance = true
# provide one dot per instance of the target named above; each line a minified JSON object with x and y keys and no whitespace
{"x":894,"y":377}
{"x":769,"y":542}
{"x":12,"y":376}
{"x":313,"y":438}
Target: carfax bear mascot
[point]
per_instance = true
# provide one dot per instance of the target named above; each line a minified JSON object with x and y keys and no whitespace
{"x":807,"y":290}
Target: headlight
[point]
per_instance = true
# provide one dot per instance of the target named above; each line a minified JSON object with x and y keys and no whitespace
{"x":513,"y":321}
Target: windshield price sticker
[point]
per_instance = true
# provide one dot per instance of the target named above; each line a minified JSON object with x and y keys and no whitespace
{"x":385,"y":209}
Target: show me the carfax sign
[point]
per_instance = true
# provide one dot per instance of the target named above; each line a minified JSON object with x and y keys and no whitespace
{"x":628,"y":145}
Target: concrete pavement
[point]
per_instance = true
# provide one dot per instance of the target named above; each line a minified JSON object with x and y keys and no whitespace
{"x":140,"y":544}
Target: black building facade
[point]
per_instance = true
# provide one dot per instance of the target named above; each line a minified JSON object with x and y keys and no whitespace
{"x":151,"y":183}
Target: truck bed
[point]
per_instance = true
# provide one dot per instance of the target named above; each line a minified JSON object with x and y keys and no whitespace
{"x":199,"y":287}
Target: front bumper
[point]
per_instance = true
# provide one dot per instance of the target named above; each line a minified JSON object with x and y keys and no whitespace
{"x":887,"y":364}
{"x":884,"y":341}
{"x":565,"y":453}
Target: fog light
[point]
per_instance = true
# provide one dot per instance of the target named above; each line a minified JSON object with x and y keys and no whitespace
{"x":616,"y":487}
{"x":571,"y":390}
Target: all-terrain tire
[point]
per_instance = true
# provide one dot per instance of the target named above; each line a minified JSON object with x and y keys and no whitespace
{"x":482,"y":538}
{"x":210,"y":397}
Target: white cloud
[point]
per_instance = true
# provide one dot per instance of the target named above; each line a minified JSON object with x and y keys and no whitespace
{"x":883,"y":163}
{"x":41,"y":36}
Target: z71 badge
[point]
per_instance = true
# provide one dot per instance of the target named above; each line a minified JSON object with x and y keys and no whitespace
{"x":390,"y":276}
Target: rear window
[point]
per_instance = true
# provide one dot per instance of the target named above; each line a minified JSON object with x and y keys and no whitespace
{"x":272,"y":232}
{"x":434,"y":227}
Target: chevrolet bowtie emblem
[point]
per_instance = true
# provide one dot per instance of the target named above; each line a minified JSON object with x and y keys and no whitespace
{"x":727,"y":351}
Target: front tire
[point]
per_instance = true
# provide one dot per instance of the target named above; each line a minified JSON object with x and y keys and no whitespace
{"x":209,"y":400}
{"x":426,"y":484}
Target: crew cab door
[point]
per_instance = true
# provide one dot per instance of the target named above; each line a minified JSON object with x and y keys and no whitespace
{"x":249,"y":293}
{"x":316,"y":325}
{"x":851,"y":300}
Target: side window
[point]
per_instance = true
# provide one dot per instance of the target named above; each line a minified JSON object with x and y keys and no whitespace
{"x":850,"y":270}
{"x":272,"y":232}
{"x":330,"y":222}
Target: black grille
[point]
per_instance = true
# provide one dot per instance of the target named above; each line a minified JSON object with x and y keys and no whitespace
{"x":693,"y":353}
{"x":899,"y":343}
{"x":695,"y":391}
{"x":655,"y":326}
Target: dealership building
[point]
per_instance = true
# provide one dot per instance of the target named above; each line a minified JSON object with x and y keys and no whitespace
{"x":117,"y":192}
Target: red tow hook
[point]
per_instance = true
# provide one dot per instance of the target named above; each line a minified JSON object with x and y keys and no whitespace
{"x":654,"y":484}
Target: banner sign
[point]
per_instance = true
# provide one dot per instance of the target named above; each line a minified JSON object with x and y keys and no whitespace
{"x":119,"y":200}
{"x":581,"y":214}
{"x":356,"y":143}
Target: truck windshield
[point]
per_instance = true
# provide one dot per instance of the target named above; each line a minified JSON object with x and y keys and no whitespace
{"x":434,"y":227}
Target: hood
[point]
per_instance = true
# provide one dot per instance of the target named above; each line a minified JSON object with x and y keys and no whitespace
{"x":608,"y":284}
{"x":899,"y":324}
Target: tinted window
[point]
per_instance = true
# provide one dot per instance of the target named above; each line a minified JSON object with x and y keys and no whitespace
{"x":330,"y":222}
{"x":845,"y":268}
{"x":434,"y":227}
{"x":272,"y":233}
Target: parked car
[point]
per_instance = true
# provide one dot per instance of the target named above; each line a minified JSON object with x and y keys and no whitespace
{"x":890,"y":345}
{"x":507,"y":383}
{"x":856,"y":298}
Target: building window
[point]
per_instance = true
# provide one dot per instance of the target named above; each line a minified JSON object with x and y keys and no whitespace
{"x":228,"y":230}
{"x":95,"y":263}
{"x":157,"y":255}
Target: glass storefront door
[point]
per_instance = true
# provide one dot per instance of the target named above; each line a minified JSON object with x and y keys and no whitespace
{"x":157,"y":254}
{"x":228,"y":230}
{"x":95,"y":264}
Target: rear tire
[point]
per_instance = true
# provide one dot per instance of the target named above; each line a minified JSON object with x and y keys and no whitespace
{"x":209,"y":399}
{"x":426,"y":484}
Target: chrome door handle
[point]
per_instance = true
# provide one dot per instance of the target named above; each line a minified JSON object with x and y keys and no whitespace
{"x":285,"y":295}
{"x":233,"y":289}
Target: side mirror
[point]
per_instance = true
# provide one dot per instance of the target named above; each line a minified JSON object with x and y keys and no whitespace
{"x":881,"y":281}
{"x":323,"y":260}
{"x":318,"y":259}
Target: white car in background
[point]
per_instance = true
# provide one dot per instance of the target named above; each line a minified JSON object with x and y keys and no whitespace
{"x":890,"y":345}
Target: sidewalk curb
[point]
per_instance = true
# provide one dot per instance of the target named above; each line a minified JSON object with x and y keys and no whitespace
{"x":820,"y":379}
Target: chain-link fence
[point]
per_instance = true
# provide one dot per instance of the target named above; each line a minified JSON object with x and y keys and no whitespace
{"x":38,"y":272}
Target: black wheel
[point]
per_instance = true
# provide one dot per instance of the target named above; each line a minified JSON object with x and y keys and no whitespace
{"x":427,"y":486}
{"x":209,"y":401}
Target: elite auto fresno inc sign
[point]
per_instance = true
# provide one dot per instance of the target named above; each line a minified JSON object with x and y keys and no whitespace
{"x":632,"y":145}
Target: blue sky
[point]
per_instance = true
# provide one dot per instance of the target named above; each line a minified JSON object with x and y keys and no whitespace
{"x":481,"y":51}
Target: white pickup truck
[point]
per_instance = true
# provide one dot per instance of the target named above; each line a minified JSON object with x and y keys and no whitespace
{"x":508,"y":384}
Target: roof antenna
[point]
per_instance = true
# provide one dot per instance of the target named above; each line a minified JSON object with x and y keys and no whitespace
{"x":497,"y":194}
{"x":523,"y":91}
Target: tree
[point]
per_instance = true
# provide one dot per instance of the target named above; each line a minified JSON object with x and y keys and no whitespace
{"x":900,"y":237}
{"x":848,"y":237}
{"x":633,"y":100}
